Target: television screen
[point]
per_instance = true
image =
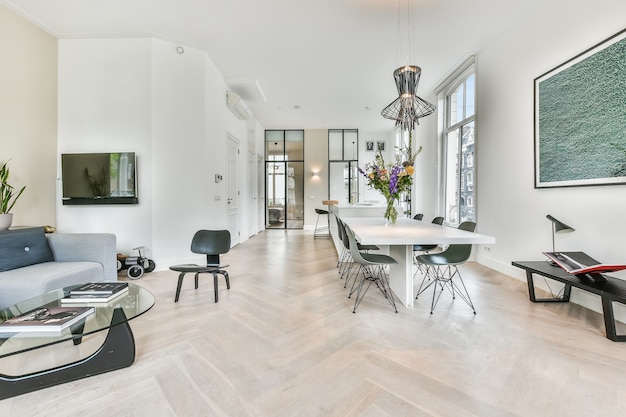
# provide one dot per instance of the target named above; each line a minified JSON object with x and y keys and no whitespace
{"x":99,"y":178}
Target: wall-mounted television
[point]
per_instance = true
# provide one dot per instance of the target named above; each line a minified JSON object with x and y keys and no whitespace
{"x":99,"y":178}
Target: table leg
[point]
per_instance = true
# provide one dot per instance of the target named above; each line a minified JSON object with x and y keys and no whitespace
{"x":567,"y":291}
{"x":609,"y":321}
{"x":117,"y":351}
{"x":401,"y":274}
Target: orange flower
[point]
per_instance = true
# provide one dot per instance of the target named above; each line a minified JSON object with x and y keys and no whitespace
{"x":410,"y":170}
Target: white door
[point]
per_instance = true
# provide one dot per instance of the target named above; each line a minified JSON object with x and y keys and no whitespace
{"x":260,"y":192}
{"x":233,"y":190}
{"x":252,"y":194}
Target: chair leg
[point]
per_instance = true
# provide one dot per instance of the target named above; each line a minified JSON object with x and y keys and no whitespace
{"x":355,"y":277}
{"x":225,"y":277}
{"x":321,"y":231}
{"x":375,"y":275}
{"x":423,"y":269}
{"x":383,"y":284}
{"x":464,"y":294}
{"x":196,"y":279}
{"x":180,"y":284}
{"x":437,"y":283}
{"x":359,"y":296}
{"x":215,"y":283}
{"x":214,"y":273}
{"x":445,"y":279}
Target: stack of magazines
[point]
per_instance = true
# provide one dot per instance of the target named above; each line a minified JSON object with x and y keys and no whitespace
{"x":96,"y":292}
{"x":45,"y":320}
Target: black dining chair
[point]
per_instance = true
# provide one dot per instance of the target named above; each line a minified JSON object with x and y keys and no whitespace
{"x":211,"y":243}
{"x":372,"y":269}
{"x":348,"y":261}
{"x":442,"y":269}
{"x":421,"y":249}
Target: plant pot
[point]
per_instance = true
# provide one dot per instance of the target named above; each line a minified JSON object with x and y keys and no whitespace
{"x":5,"y":220}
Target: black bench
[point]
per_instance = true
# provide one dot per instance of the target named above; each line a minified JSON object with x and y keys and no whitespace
{"x":609,"y":289}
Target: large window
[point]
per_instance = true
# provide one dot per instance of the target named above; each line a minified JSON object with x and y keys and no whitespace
{"x":457,"y":175}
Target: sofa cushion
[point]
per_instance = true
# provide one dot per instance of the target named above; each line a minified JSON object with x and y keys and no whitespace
{"x":23,"y":283}
{"x":23,"y":247}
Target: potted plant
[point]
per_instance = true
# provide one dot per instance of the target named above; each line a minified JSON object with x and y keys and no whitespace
{"x":8,"y":197}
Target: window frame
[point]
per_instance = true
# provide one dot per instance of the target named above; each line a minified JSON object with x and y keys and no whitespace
{"x":445,"y":91}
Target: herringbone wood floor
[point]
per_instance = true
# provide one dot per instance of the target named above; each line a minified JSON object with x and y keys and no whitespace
{"x":284,"y":342}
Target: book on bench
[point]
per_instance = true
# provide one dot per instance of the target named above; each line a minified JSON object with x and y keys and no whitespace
{"x":580,"y":263}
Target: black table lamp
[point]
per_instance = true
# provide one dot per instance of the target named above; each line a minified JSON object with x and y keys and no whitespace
{"x":558,"y":227}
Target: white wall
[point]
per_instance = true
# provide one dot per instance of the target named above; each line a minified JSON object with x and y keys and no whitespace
{"x":315,"y":159}
{"x":142,"y":95}
{"x":28,"y":117}
{"x":179,"y":172}
{"x":105,"y":106}
{"x":365,"y":157}
{"x":426,"y":165}
{"x":508,"y":205}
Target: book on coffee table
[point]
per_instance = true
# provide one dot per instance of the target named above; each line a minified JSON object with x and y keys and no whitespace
{"x":100,"y":288}
{"x":46,"y":319}
{"x":92,"y":298}
{"x":581,"y":263}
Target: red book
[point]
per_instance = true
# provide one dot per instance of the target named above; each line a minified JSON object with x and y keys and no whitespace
{"x":581,"y":263}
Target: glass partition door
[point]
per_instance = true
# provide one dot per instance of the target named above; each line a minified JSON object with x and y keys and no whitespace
{"x":343,"y":184}
{"x":284,"y":172}
{"x":343,"y":178}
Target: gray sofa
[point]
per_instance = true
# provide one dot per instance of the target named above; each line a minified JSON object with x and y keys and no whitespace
{"x":32,"y":263}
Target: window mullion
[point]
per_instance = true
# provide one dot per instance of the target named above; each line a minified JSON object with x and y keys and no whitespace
{"x":459,"y":173}
{"x":460,"y":124}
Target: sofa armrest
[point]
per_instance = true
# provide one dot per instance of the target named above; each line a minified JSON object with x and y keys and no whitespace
{"x":94,"y":247}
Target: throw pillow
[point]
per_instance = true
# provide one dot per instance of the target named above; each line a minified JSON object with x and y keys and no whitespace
{"x":23,"y":247}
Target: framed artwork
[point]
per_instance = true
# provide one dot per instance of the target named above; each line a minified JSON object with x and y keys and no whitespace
{"x":580,"y":118}
{"x":369,"y":145}
{"x":380,"y":145}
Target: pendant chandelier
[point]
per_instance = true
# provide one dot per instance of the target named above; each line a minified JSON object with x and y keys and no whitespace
{"x":408,"y":108}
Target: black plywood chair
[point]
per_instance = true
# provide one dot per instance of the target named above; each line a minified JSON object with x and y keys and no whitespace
{"x":211,"y":243}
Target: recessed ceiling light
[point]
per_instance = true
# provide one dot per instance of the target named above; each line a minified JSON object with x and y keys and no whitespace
{"x":180,"y":49}
{"x":296,"y":106}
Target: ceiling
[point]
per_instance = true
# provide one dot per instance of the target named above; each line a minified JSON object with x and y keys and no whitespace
{"x":299,"y":64}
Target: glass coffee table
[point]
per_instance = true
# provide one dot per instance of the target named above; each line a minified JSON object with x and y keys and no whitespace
{"x":116,"y":352}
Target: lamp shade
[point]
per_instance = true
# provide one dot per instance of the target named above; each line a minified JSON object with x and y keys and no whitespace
{"x":559,"y":227}
{"x":408,"y":108}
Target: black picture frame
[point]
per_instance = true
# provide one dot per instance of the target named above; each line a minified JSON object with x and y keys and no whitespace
{"x":579,"y":118}
{"x":380,"y":145}
{"x":369,"y":146}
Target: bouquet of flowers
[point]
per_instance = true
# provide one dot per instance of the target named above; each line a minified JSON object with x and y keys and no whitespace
{"x":392,"y":179}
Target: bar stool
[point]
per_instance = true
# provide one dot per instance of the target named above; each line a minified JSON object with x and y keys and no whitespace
{"x":321,"y":230}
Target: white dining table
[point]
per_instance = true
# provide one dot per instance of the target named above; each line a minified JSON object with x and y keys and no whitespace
{"x":400,"y":237}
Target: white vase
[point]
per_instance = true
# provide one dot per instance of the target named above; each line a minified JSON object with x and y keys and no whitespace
{"x":5,"y":220}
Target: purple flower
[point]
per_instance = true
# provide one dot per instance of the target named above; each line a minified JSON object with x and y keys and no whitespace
{"x":393,"y":180}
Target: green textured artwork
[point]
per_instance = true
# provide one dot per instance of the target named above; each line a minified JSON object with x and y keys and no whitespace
{"x":580,"y":119}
